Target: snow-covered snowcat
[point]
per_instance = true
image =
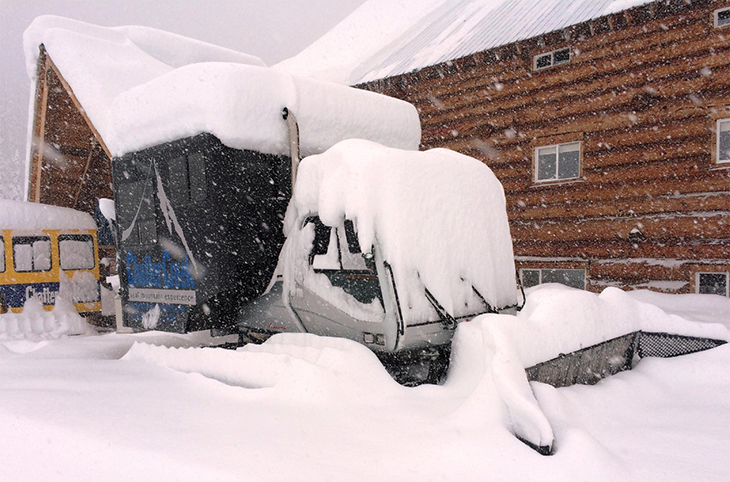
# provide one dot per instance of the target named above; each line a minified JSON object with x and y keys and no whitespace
{"x":390,"y":248}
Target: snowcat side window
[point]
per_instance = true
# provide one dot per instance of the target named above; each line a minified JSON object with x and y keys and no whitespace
{"x":330,"y":260}
{"x":2,"y":255}
{"x":321,"y":241}
{"x":351,"y":258}
{"x":353,"y":244}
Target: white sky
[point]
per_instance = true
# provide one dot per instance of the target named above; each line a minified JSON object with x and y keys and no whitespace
{"x":271,"y":29}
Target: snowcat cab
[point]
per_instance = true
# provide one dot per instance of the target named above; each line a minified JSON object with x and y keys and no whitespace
{"x":382,"y":276}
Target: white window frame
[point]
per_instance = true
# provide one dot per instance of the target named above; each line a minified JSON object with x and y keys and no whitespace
{"x":727,"y":280}
{"x":557,"y":147}
{"x":716,"y":15}
{"x":540,"y":272}
{"x":717,"y":141}
{"x":553,"y":63}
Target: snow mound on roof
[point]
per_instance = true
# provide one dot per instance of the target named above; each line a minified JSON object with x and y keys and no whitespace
{"x":438,"y":218}
{"x":28,"y":216}
{"x":35,"y":323}
{"x":359,"y":36}
{"x":242,"y":106}
{"x":101,"y":62}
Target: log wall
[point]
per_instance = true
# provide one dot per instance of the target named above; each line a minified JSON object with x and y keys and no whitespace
{"x":70,"y":166}
{"x":642,"y":93}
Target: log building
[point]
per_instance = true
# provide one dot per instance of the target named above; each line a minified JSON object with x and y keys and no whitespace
{"x":611,"y":138}
{"x":70,"y":165}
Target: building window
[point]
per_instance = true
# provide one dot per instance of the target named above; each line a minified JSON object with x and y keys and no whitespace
{"x":32,"y":253}
{"x":187,"y":179}
{"x":558,"y":162}
{"x":722,"y":17}
{"x":723,"y":140}
{"x":713,"y":283}
{"x":549,"y":59}
{"x":76,"y":251}
{"x":575,"y":278}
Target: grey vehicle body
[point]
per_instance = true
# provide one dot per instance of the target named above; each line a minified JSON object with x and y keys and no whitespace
{"x":291,"y":306}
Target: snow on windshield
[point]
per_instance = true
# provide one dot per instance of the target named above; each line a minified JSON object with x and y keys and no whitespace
{"x":437,"y":217}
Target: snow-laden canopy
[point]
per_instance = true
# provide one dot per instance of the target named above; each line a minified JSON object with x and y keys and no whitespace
{"x":437,"y":217}
{"x":141,"y":87}
{"x":242,"y":106}
{"x":33,"y":216}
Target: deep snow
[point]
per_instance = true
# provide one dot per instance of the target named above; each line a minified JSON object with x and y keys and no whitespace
{"x":306,"y":408}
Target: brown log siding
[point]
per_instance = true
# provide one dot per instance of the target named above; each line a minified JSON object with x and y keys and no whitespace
{"x":642,"y":93}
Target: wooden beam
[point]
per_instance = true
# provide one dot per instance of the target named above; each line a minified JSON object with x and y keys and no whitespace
{"x":82,"y":181}
{"x":40,"y":139}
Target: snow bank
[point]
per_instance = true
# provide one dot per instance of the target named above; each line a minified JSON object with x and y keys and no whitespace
{"x":696,"y":307}
{"x":438,"y":218}
{"x":557,"y":319}
{"x":142,"y":87}
{"x":487,"y":388}
{"x":289,"y":361}
{"x":35,"y":323}
{"x":328,"y":408}
{"x":34,"y":216}
{"x":242,"y":105}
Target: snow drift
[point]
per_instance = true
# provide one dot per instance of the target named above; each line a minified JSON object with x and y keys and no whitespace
{"x":35,"y":323}
{"x":487,"y":388}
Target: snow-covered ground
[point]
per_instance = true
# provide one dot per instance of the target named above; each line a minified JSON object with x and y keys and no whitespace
{"x":144,"y":407}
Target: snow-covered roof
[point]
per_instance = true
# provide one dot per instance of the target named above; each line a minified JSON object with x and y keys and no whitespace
{"x":242,"y":106}
{"x":439,"y":218}
{"x":34,"y":216}
{"x":358,"y":37}
{"x":99,"y":63}
{"x":452,"y":30}
{"x":142,"y":87}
